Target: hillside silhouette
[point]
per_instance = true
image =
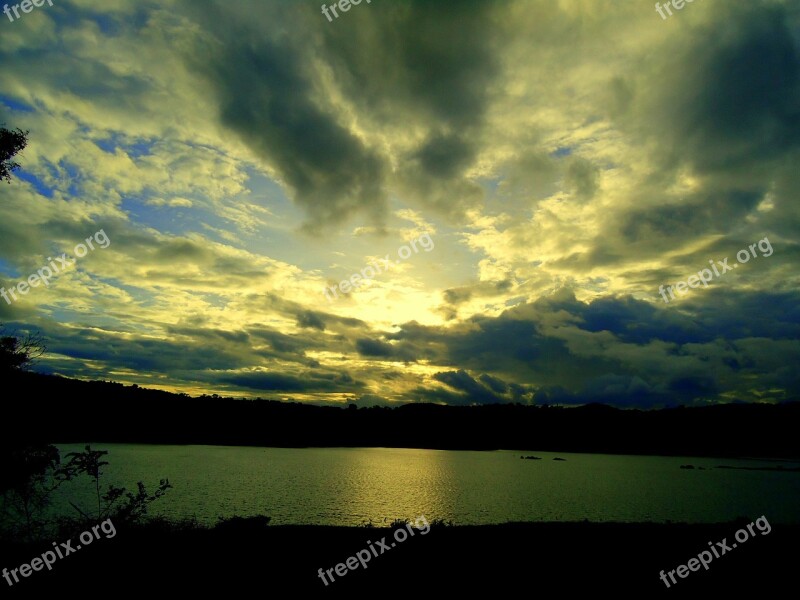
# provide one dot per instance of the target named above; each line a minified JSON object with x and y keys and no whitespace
{"x":54,"y":409}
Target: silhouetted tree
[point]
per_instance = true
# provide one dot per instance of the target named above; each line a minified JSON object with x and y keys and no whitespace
{"x":12,"y":141}
{"x":30,"y":473}
{"x":28,"y":479}
{"x":20,"y":353}
{"x":135,"y":505}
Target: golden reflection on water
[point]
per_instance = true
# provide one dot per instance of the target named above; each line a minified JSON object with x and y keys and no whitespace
{"x":355,"y":486}
{"x":395,"y":483}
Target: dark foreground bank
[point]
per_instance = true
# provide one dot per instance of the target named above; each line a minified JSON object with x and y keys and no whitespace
{"x":625,"y":559}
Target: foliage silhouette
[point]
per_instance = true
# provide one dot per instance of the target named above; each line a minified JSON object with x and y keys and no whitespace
{"x":32,"y":473}
{"x":27,"y":482}
{"x":19,"y":353}
{"x":12,"y":141}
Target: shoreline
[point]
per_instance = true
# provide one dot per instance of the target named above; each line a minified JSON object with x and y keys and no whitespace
{"x":788,"y":459}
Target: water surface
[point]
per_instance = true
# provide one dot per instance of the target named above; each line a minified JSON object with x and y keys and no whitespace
{"x":352,"y":486}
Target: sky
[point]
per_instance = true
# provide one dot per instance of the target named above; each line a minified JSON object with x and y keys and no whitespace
{"x":535,"y":170}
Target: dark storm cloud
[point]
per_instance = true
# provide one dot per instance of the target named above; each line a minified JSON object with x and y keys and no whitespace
{"x":380,"y":349}
{"x":457,"y":295}
{"x":622,"y":351}
{"x":461,"y":380}
{"x":485,"y":389}
{"x":440,"y":396}
{"x":267,"y":381}
{"x":145,"y":355}
{"x":731,"y":96}
{"x":264,"y":82}
{"x":267,"y":101}
{"x":454,"y":297}
{"x":715,"y":108}
{"x":511,"y":346}
{"x":17,"y":243}
{"x":582,"y":178}
{"x":304,"y":316}
{"x":729,"y":314}
{"x":505,"y":344}
{"x":188,"y":351}
{"x":638,"y":322}
{"x":631,"y":391}
{"x":281,"y":343}
{"x":279,"y":382}
{"x":768,"y":315}
{"x":444,"y":156}
{"x":623,"y":391}
{"x":709,"y":213}
{"x":431,"y":61}
{"x":183,"y":250}
{"x":425,"y":66}
{"x":311,"y":320}
{"x":212,"y":357}
{"x":444,"y":51}
{"x":367,"y":347}
{"x":493,"y":383}
{"x":511,"y":339}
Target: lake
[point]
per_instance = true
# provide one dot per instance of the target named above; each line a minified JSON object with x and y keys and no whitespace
{"x":353,"y":486}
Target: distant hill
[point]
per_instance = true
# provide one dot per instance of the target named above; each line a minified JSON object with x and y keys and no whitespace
{"x":58,"y":410}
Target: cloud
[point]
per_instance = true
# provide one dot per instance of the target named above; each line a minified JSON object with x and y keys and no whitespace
{"x":277,"y":382}
{"x":570,"y":157}
{"x":731,"y":94}
{"x":311,"y":319}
